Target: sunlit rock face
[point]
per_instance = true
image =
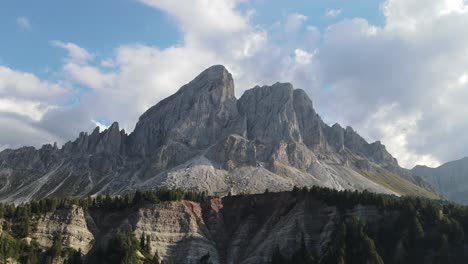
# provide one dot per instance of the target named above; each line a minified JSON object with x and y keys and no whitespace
{"x":72,"y":224}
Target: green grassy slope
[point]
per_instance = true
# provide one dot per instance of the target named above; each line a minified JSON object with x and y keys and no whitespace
{"x":396,"y":183}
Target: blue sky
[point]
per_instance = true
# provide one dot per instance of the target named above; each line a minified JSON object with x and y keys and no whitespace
{"x":102,"y":25}
{"x":96,"y":25}
{"x":270,"y":11}
{"x":395,"y":70}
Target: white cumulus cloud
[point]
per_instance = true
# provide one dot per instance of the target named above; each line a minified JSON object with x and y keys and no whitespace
{"x":303,"y":57}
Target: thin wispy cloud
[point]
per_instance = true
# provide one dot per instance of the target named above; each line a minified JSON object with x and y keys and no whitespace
{"x":333,"y":13}
{"x":23,"y":23}
{"x":75,"y":53}
{"x":294,"y":22}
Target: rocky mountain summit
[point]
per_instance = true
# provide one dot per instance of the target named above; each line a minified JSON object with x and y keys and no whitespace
{"x":203,"y":138}
{"x":450,"y":179}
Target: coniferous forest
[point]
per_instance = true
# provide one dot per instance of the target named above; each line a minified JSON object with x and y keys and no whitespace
{"x":412,"y":230}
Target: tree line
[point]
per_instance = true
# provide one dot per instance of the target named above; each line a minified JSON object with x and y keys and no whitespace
{"x":409,"y":230}
{"x":18,"y":222}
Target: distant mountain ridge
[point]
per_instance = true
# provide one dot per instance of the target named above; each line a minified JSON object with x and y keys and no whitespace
{"x":203,"y":138}
{"x":450,"y":179}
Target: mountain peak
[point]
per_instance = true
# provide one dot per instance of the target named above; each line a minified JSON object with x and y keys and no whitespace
{"x":280,"y":113}
{"x":196,"y":115}
{"x":215,"y":80}
{"x":114,"y":126}
{"x":215,"y":72}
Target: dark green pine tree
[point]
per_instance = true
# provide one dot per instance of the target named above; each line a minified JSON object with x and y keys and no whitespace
{"x":48,"y":260}
{"x":75,"y":258}
{"x":56,"y":250}
{"x":24,"y":226}
{"x":302,"y":255}
{"x":148,"y":244}
{"x":370,"y":251}
{"x":122,"y":248}
{"x":442,"y":255}
{"x":154,"y":260}
{"x":142,"y":241}
{"x":277,"y":257}
{"x":205,"y":259}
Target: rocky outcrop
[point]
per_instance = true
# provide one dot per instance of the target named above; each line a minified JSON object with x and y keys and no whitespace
{"x":200,"y":113}
{"x":270,"y":115}
{"x":202,"y":138}
{"x":111,"y":140}
{"x":176,"y":227}
{"x":347,"y":138}
{"x":74,"y":226}
{"x":280,"y":113}
{"x":252,"y":229}
{"x":234,"y":152}
{"x":310,"y":123}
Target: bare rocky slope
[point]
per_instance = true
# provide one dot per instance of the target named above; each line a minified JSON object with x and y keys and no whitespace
{"x":203,"y":138}
{"x":449,"y":179}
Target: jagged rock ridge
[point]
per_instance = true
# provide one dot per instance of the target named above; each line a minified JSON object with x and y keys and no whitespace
{"x":202,"y":138}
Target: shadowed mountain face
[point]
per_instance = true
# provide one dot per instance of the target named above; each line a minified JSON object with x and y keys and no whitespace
{"x":204,"y":139}
{"x":450,"y":179}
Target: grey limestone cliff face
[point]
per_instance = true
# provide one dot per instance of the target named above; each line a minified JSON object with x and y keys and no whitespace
{"x":203,"y":138}
{"x":200,"y":113}
{"x":173,"y":228}
{"x":74,"y":225}
{"x":270,"y":114}
{"x":111,"y":140}
{"x":310,"y":123}
{"x":234,"y":152}
{"x":336,"y":137}
{"x":374,"y":151}
{"x":280,"y":113}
